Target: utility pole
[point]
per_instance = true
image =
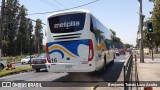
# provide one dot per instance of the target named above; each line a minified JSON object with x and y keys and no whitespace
{"x":1,"y":25}
{"x":141,"y":17}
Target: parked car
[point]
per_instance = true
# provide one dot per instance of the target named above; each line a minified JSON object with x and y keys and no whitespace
{"x":39,"y":62}
{"x":26,"y":60}
{"x":3,"y":64}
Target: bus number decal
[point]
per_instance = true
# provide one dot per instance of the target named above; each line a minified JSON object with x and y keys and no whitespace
{"x":54,"y":60}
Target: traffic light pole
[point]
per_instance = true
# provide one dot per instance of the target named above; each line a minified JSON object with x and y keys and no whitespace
{"x":152,"y":50}
{"x":151,"y":42}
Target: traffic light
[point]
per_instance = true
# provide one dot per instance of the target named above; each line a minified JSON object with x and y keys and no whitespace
{"x":149,"y":27}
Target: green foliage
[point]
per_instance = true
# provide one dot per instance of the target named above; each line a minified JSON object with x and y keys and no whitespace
{"x":38,"y":38}
{"x":156,"y":24}
{"x":18,"y":29}
{"x":18,"y":69}
{"x":117,"y":41}
{"x":128,"y":45}
{"x":113,"y":32}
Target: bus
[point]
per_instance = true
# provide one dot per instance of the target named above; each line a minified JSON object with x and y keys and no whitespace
{"x":76,"y":41}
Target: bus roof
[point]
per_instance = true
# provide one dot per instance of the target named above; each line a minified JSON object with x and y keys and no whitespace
{"x":69,"y":11}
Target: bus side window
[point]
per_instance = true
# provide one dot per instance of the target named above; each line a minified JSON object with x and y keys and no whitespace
{"x":91,"y":25}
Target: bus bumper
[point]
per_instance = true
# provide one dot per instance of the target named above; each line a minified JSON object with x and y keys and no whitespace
{"x":69,"y":67}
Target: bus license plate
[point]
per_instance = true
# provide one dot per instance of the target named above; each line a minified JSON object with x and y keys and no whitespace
{"x":68,"y":66}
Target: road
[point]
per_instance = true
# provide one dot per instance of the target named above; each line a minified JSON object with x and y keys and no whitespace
{"x":112,"y":73}
{"x":19,"y":65}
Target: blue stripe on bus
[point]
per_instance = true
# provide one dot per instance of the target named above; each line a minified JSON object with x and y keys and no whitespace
{"x":59,"y":51}
{"x":71,"y":46}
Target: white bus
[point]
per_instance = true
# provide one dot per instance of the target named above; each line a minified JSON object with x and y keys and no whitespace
{"x":77,"y":42}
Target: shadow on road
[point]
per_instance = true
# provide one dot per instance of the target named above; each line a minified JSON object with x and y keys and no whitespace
{"x":41,"y":71}
{"x":112,"y":74}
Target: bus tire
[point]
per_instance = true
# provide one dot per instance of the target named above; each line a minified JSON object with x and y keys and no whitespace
{"x":114,"y":56}
{"x":104,"y":65}
{"x":112,"y":62}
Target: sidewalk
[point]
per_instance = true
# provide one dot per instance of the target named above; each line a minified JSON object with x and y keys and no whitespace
{"x":156,"y":56}
{"x":149,"y":70}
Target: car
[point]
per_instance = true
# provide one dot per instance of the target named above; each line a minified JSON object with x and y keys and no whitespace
{"x":129,"y":50}
{"x":39,"y":62}
{"x":122,"y":52}
{"x":117,"y":52}
{"x":26,"y":60}
{"x":3,"y":64}
{"x":134,"y":50}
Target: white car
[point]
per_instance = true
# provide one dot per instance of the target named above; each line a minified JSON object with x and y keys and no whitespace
{"x":26,"y":60}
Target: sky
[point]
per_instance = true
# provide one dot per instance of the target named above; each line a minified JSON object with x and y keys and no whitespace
{"x":118,"y":15}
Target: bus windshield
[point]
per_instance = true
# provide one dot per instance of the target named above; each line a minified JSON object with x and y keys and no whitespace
{"x":67,"y":23}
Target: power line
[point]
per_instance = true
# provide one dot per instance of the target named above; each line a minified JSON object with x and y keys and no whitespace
{"x":59,"y":3}
{"x":52,"y":4}
{"x":48,"y":3}
{"x":68,"y":8}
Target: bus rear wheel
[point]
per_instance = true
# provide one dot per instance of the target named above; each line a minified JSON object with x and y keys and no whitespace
{"x":104,"y":65}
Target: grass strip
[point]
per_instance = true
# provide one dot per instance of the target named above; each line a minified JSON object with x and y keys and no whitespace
{"x":17,"y":70}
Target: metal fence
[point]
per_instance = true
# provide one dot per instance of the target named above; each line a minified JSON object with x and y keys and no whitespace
{"x":136,"y":73}
{"x":130,"y":70}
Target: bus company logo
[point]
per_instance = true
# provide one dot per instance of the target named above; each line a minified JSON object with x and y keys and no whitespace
{"x":6,"y":84}
{"x":67,"y":24}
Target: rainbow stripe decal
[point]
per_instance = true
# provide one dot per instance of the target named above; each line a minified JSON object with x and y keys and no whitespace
{"x":101,"y":46}
{"x":67,"y":47}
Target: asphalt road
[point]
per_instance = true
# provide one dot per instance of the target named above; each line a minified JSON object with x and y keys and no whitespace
{"x":112,"y":73}
{"x":19,"y":65}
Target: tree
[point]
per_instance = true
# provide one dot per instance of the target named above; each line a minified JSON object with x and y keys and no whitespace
{"x":22,"y":33}
{"x":117,"y":41}
{"x":11,"y":24}
{"x":38,"y":36}
{"x":17,"y":27}
{"x":128,"y":45}
{"x":156,"y":24}
{"x":113,"y":32}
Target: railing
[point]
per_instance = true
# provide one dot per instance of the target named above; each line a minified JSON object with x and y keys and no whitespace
{"x":128,"y":71}
{"x":136,"y":73}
